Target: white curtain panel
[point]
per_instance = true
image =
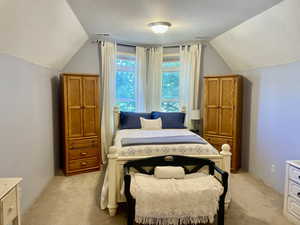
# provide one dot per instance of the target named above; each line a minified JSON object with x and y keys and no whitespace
{"x":190,"y":59}
{"x":155,"y":59}
{"x":141,"y":78}
{"x":108,"y":54}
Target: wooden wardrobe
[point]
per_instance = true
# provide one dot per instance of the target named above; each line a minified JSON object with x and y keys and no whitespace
{"x":222,"y":114}
{"x":81,"y":127}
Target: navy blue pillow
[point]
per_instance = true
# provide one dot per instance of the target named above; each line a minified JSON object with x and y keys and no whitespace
{"x":131,"y":120}
{"x":170,"y":120}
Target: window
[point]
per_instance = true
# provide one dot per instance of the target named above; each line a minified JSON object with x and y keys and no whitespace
{"x":170,"y":84}
{"x":126,"y":82}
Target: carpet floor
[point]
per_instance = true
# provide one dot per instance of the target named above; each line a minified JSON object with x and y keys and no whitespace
{"x":75,"y":201}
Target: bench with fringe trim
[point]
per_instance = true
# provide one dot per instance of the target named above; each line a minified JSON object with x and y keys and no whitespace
{"x":192,"y":200}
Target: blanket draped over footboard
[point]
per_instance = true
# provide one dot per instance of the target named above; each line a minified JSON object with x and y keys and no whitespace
{"x":182,"y":139}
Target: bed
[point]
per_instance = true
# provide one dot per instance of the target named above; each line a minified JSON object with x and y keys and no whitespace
{"x":112,"y":190}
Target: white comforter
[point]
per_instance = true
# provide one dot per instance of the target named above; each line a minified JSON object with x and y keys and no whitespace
{"x":154,"y":150}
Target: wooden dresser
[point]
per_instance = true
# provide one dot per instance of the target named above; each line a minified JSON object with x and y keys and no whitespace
{"x":223,"y":113}
{"x":10,"y":208}
{"x":292,"y":191}
{"x":81,"y":126}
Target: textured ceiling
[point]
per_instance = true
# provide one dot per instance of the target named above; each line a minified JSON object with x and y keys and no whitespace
{"x":127,"y":20}
{"x":269,"y":39}
{"x":42,"y":32}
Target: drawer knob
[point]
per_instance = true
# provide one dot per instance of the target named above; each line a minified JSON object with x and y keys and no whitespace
{"x":83,"y":153}
{"x":10,"y":209}
{"x":83,"y":163}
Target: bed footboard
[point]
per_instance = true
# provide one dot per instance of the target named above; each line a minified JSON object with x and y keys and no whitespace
{"x":115,"y":174}
{"x":226,"y":161}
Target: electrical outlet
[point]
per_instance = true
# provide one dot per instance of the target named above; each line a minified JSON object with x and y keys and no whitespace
{"x":273,"y":168}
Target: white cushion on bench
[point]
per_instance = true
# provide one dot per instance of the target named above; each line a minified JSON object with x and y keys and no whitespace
{"x":168,"y":172}
{"x":194,"y":199}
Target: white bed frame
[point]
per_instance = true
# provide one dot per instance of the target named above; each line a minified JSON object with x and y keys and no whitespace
{"x":116,"y":162}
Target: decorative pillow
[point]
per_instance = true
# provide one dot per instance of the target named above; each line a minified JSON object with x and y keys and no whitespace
{"x":131,"y":120}
{"x":170,"y":120}
{"x":154,"y":124}
{"x":169,"y":172}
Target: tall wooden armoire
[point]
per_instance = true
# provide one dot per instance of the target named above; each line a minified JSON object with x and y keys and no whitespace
{"x":81,"y":126}
{"x":223,"y":114}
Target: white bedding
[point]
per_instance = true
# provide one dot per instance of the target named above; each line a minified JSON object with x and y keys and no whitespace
{"x":155,"y":150}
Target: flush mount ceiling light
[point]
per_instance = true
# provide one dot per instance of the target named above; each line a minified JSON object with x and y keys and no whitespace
{"x":159,"y":27}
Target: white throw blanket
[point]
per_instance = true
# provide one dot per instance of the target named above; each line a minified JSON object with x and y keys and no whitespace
{"x":194,"y":199}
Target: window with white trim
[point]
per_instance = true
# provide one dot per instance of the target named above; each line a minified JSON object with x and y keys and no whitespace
{"x":126,"y":82}
{"x":170,"y":101}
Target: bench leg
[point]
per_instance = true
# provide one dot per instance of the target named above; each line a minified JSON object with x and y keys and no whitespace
{"x":221,"y":212}
{"x":130,"y":219}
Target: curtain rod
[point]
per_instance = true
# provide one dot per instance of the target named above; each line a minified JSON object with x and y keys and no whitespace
{"x":132,"y":45}
{"x":129,"y":45}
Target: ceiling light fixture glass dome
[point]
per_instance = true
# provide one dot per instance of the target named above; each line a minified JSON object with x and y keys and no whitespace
{"x":159,"y":27}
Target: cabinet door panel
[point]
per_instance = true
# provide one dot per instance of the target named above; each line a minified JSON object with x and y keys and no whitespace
{"x":90,"y":91}
{"x":226,"y":114}
{"x":90,"y":104}
{"x":74,"y":91}
{"x":90,"y":124}
{"x":211,"y":125}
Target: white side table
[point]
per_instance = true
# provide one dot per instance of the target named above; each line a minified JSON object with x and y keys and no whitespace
{"x":10,"y":201}
{"x":292,"y":191}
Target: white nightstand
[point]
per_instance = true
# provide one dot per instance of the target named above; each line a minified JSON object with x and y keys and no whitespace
{"x":10,"y":201}
{"x":292,"y":191}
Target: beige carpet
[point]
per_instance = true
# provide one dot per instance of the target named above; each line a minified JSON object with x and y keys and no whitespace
{"x":74,"y":201}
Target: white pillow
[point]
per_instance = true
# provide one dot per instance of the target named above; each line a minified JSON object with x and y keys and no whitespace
{"x":155,"y":124}
{"x":169,"y":172}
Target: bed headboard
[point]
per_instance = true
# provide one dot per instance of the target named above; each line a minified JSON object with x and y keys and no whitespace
{"x":116,"y":112}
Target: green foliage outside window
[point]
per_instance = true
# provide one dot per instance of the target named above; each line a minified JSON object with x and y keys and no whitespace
{"x":170,"y":86}
{"x":125,"y":85}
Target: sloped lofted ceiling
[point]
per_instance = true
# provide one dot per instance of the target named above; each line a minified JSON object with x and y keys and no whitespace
{"x":271,"y":38}
{"x":127,"y":20}
{"x":42,"y":32}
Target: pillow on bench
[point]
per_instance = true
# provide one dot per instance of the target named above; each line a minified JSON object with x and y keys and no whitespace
{"x":169,"y":172}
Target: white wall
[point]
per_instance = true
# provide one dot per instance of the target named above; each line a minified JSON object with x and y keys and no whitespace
{"x":42,"y":32}
{"x":268,"y":39}
{"x":212,"y":62}
{"x":29,"y":124}
{"x":271,"y":121}
{"x":86,"y":60}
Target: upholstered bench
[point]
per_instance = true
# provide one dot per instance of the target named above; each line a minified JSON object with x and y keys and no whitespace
{"x":193,"y":199}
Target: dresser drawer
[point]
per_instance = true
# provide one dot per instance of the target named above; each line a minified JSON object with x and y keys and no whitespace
{"x":294,"y":190}
{"x":294,"y":174}
{"x":9,"y":207}
{"x":83,"y":144}
{"x":83,"y":153}
{"x":217,"y":142}
{"x":294,"y":207}
{"x":81,"y":164}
